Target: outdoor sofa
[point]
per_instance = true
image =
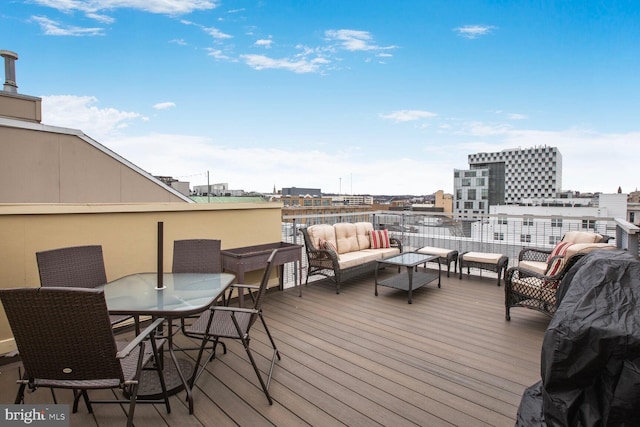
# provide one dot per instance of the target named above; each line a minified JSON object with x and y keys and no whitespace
{"x":345,"y":250}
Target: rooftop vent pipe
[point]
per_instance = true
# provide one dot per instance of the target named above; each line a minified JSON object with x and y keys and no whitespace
{"x":9,"y":70}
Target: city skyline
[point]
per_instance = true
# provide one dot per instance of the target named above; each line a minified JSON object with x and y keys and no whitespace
{"x":359,"y":97}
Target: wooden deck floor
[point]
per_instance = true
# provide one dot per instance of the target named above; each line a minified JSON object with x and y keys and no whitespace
{"x":354,"y":359}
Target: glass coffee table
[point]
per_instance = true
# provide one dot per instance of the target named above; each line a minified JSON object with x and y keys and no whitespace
{"x":414,"y":277}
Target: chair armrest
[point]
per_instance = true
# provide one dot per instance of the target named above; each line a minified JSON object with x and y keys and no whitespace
{"x":395,"y":243}
{"x":244,"y":286}
{"x":139,"y":338}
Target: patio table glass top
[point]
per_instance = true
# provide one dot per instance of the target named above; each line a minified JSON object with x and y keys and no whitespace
{"x":183,"y":293}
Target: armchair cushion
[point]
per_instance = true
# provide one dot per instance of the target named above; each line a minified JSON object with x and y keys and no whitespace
{"x":582,"y":237}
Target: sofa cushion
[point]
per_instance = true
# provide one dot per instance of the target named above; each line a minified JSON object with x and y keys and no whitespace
{"x":352,"y":259}
{"x":379,"y":239}
{"x":362,"y":233}
{"x":581,"y":237}
{"x":346,"y":237}
{"x":321,"y":231}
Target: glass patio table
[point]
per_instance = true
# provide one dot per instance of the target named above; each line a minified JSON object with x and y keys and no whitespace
{"x":179,"y":295}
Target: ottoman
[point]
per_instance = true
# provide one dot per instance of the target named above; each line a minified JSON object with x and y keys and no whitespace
{"x":447,"y":256}
{"x":485,"y":261}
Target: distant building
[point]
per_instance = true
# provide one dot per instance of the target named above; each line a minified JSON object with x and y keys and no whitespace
{"x":507,"y":177}
{"x":352,"y":200}
{"x":293,"y":191}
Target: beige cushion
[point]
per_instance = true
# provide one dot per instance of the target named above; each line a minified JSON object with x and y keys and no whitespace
{"x":346,"y":237}
{"x":352,"y":259}
{"x":581,"y":237}
{"x":485,"y":257}
{"x":586,"y":248}
{"x":321,"y":231}
{"x":362,"y":233}
{"x":430,"y":250}
{"x":537,"y":266}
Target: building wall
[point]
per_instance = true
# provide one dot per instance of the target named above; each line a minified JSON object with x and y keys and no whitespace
{"x":46,"y":164}
{"x":529,"y":173}
{"x":127,"y":233}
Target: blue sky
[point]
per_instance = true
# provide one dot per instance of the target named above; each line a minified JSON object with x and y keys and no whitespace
{"x":358,"y":96}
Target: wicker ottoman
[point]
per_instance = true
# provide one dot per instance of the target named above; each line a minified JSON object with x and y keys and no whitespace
{"x":485,"y":261}
{"x":447,"y":256}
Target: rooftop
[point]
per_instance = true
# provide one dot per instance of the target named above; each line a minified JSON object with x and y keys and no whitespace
{"x":450,"y":358}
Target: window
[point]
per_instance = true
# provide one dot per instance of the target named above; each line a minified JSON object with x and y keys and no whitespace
{"x":458,"y":194}
{"x":525,"y":238}
{"x":554,"y":239}
{"x":307,"y":203}
{"x":470,"y":173}
{"x":481,"y":205}
{"x":466,"y":182}
{"x":588,"y":223}
{"x":498,"y":236}
{"x":471,"y":194}
{"x":468,"y":205}
{"x":527,"y":221}
{"x":485,"y":194}
{"x":480,"y":182}
{"x":556,"y":222}
{"x":502,"y":220}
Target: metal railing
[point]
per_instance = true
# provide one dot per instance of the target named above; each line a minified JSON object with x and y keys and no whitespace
{"x":504,"y":234}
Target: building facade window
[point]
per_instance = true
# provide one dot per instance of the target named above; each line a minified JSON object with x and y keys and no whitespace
{"x":525,"y":238}
{"x":498,"y":236}
{"x":554,"y":240}
{"x":527,"y":222}
{"x":556,"y":222}
{"x":588,"y":224}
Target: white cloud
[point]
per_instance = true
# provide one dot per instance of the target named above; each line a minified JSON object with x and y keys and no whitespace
{"x":354,"y":40}
{"x":54,"y":28}
{"x":264,"y":43}
{"x":261,"y":62}
{"x":474,"y":31}
{"x":169,"y":7}
{"x":164,"y":105}
{"x":217,"y":53}
{"x":408,"y":115}
{"x":216,"y":34}
{"x":516,"y":116}
{"x":80,"y":112}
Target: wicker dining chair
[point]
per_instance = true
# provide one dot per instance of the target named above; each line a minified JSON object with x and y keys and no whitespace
{"x":65,"y":341}
{"x":75,"y":267}
{"x":235,"y":323}
{"x":196,"y":256}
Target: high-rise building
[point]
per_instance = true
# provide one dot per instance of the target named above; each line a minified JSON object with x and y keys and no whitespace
{"x":507,"y":177}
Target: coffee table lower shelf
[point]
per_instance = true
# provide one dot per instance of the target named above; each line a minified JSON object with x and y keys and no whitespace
{"x":409,"y":282}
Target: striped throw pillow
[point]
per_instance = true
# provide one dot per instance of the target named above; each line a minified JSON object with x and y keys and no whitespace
{"x":379,"y":239}
{"x":559,"y":251}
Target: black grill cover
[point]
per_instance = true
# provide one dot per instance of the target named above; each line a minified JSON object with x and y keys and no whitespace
{"x":590,"y":361}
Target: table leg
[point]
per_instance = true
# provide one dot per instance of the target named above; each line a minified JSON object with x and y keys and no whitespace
{"x":375,"y":281}
{"x":410,"y":275}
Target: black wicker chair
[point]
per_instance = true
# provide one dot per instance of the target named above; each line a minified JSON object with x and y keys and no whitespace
{"x":235,"y":323}
{"x":75,"y":267}
{"x":65,"y":340}
{"x":196,"y":256}
{"x":530,"y":289}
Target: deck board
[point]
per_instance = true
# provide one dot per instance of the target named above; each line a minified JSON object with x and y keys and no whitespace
{"x":355,"y":359}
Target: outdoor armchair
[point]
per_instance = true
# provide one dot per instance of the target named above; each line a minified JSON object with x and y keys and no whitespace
{"x":65,"y":341}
